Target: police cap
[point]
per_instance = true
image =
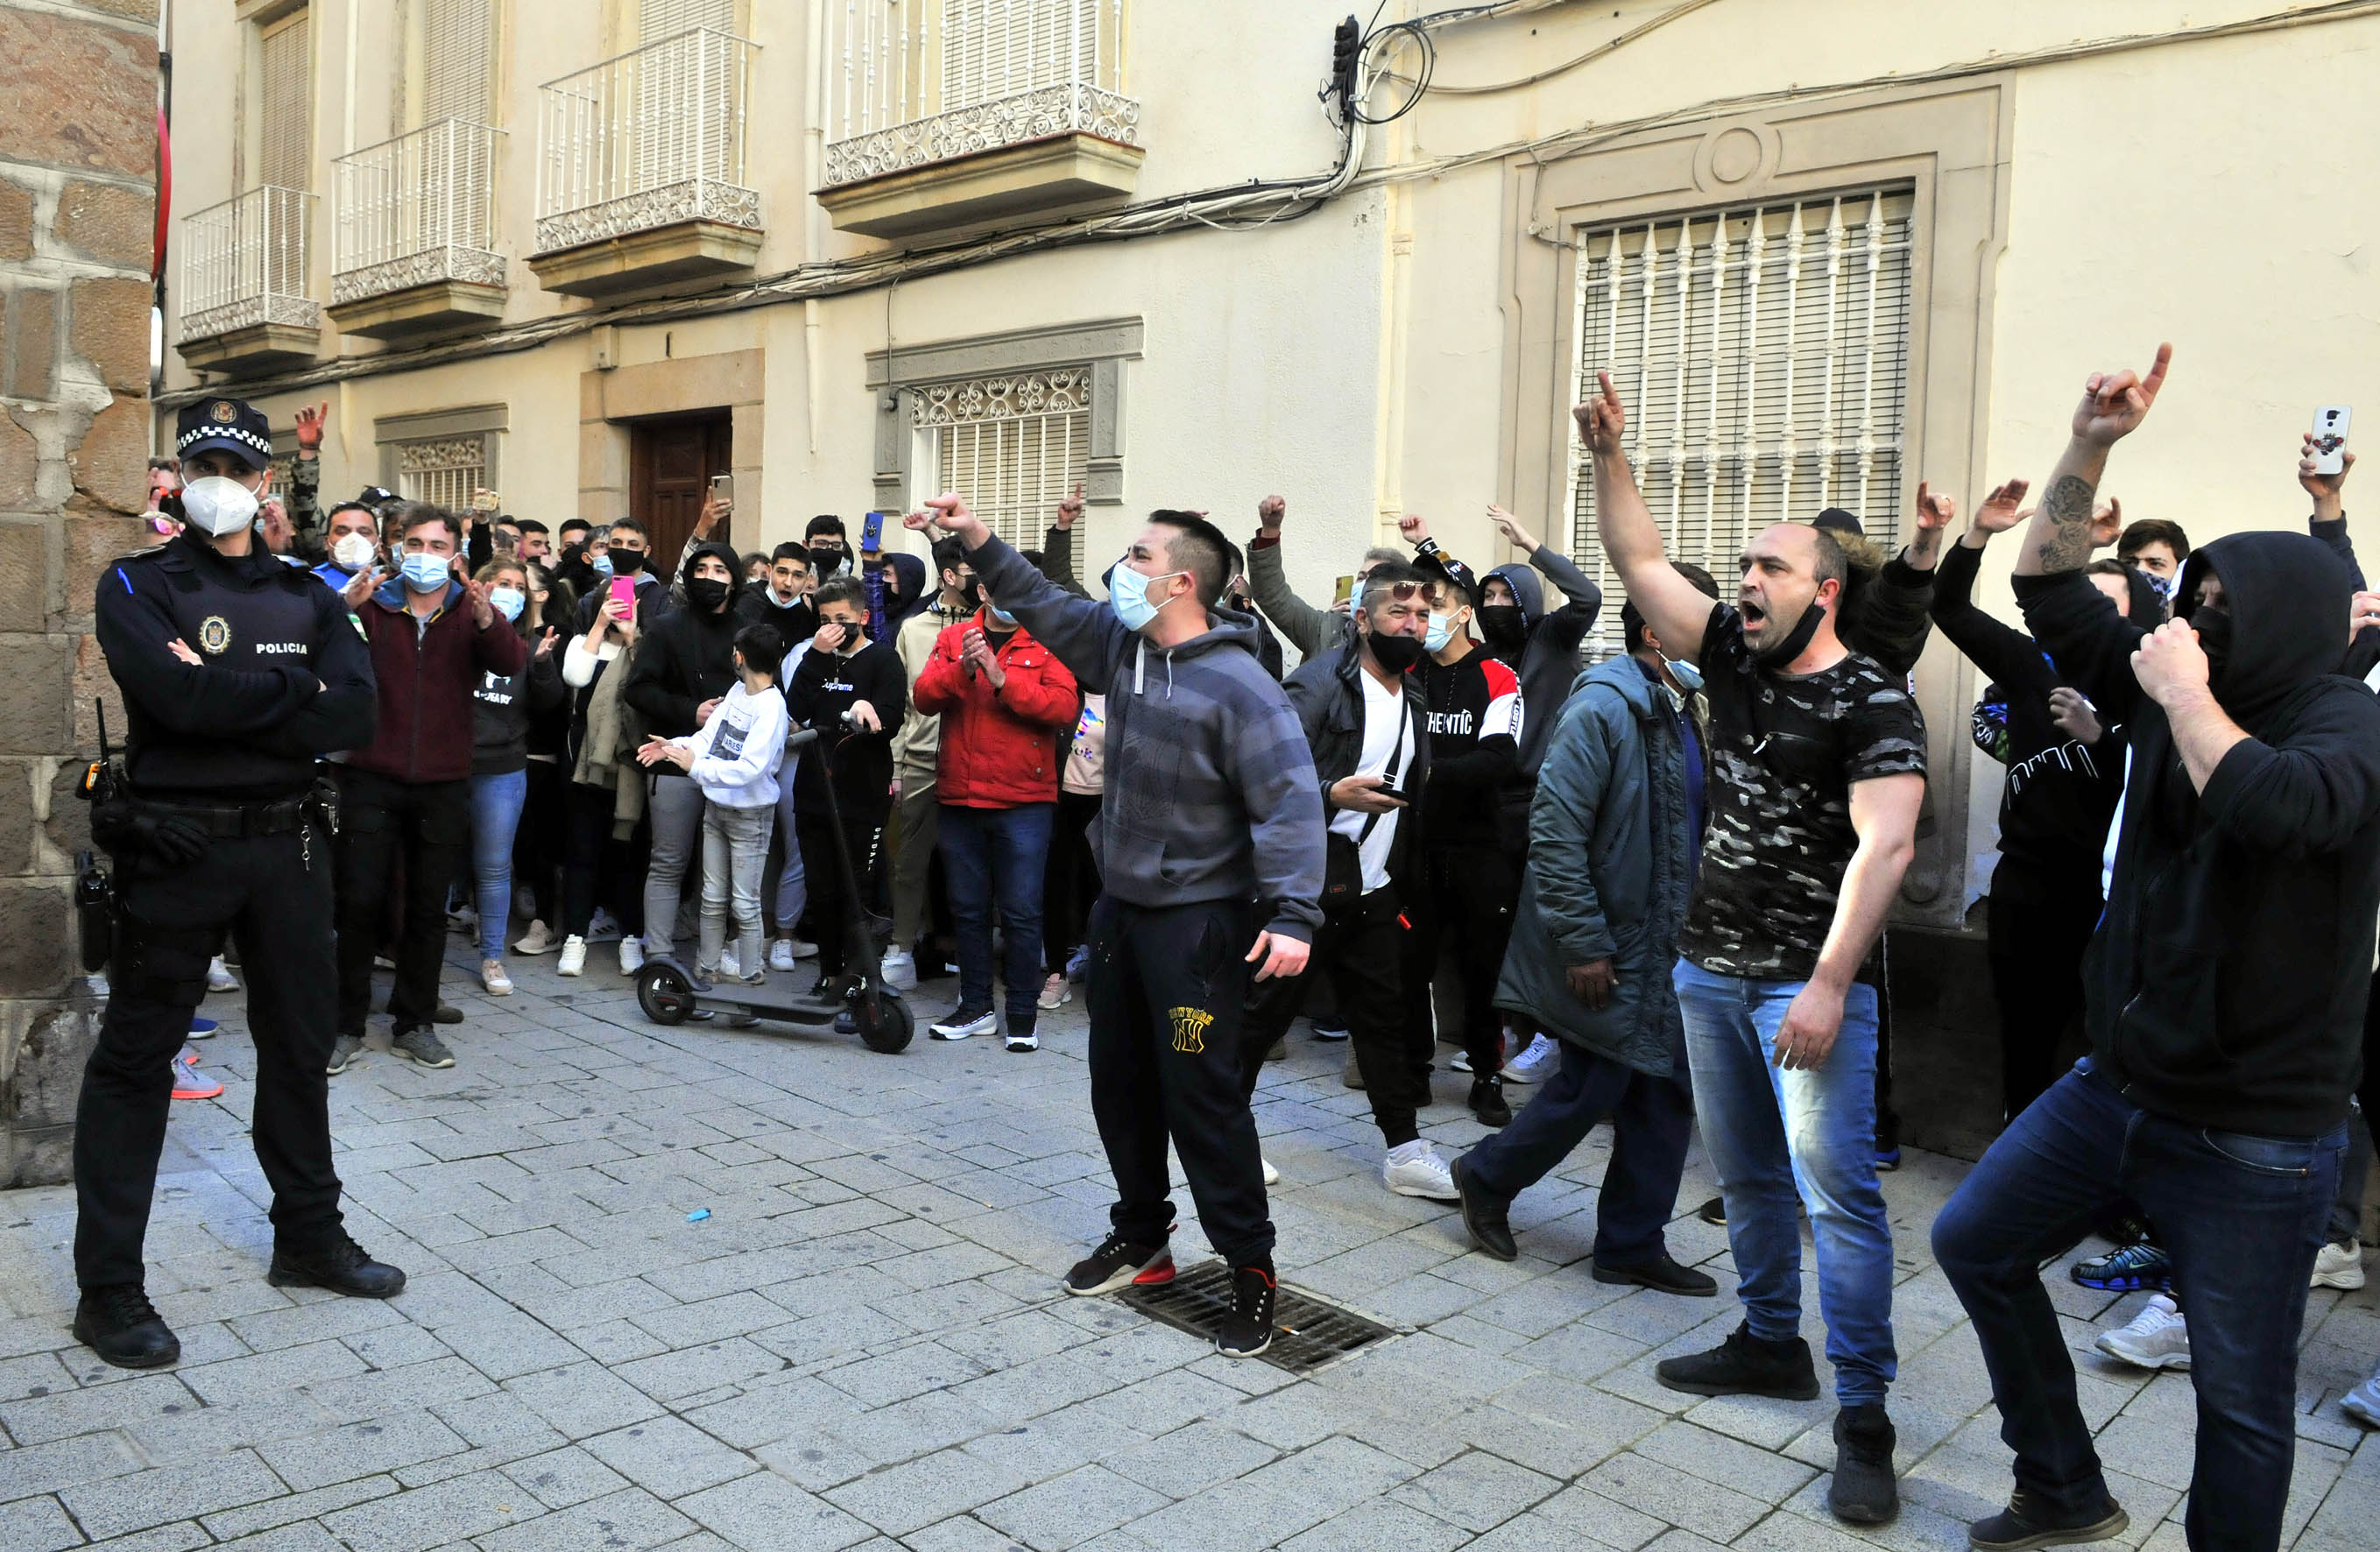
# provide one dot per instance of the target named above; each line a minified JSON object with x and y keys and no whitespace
{"x":235,"y":425}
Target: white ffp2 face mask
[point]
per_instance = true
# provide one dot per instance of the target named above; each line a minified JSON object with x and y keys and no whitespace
{"x":353,"y":552}
{"x":218,"y":505}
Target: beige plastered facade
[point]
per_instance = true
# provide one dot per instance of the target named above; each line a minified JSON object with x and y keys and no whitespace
{"x":2086,"y":182}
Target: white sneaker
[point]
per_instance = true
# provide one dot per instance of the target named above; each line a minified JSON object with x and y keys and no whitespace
{"x":781,"y":954}
{"x":464,"y":923}
{"x":2362,"y":1403}
{"x":2338,"y":1265}
{"x":1415,"y":1170}
{"x":492,"y":976}
{"x":219,"y":976}
{"x":1271,"y":1175}
{"x":1536,"y":1064}
{"x":899,"y":969}
{"x":1328,"y":1031}
{"x":1459,"y":1062}
{"x":602,"y":928}
{"x":805,"y":950}
{"x":632,"y":956}
{"x":574,"y":957}
{"x":1055,"y":994}
{"x":538,"y":940}
{"x":729,"y":966}
{"x":2158,"y":1338}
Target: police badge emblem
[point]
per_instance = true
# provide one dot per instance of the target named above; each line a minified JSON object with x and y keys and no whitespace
{"x":223,"y":412}
{"x":215,"y":635}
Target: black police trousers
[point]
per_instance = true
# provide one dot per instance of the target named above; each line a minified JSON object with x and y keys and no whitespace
{"x":1167,"y":991}
{"x":276,"y":905}
{"x":1361,"y":950}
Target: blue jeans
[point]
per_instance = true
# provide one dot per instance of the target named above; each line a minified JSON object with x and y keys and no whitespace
{"x":1779,"y":1138}
{"x":997,"y":855}
{"x":2241,"y":1217}
{"x":496,"y":814}
{"x":1651,"y":1118}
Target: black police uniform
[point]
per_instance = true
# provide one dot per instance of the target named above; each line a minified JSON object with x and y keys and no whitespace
{"x":220,"y":756}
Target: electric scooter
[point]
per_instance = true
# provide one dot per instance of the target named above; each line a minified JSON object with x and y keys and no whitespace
{"x":670,"y":993}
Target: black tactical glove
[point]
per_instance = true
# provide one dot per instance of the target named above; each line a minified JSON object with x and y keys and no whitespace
{"x":123,"y":830}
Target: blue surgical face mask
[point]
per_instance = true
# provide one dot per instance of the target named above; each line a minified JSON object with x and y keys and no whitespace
{"x":1128,"y":596}
{"x":1001,"y":616}
{"x":426,"y":573}
{"x":1688,"y":676}
{"x":603,"y":563}
{"x":508,"y":602}
{"x":1441,"y":631}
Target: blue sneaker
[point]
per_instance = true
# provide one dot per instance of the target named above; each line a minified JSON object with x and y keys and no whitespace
{"x":2123,"y":1271}
{"x":1887,"y":1161}
{"x":203,"y":1028}
{"x":1078,"y":964}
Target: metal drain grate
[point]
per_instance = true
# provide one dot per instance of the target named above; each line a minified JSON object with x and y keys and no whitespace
{"x":1308,"y":1332}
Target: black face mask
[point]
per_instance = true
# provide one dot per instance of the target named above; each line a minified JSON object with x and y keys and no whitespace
{"x":626,"y":563}
{"x":1501,"y":622}
{"x":972,"y":592}
{"x":573,"y":553}
{"x":706,"y":593}
{"x":1796,"y":642}
{"x":1396,"y":653}
{"x":825,"y":558}
{"x":2214,"y":628}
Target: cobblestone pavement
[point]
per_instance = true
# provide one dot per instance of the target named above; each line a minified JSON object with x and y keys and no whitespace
{"x":863,"y":1345}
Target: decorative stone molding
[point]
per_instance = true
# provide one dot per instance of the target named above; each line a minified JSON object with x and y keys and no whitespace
{"x":1068,"y":107}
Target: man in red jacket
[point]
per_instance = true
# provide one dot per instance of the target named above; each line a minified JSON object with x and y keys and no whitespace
{"x":1008,"y":707}
{"x":431,"y":633}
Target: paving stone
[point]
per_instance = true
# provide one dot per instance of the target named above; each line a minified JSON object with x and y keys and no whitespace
{"x":669,"y":1457}
{"x":37,"y":1525}
{"x":917,"y":1493}
{"x":433,"y":1516}
{"x":764,"y":1509}
{"x":583,"y":1400}
{"x":1070,"y":1510}
{"x":124,"y":1504}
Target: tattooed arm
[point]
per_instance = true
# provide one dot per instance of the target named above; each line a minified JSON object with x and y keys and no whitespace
{"x":2113,"y":405}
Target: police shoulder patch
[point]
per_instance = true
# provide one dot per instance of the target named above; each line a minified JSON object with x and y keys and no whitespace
{"x":214,"y":633}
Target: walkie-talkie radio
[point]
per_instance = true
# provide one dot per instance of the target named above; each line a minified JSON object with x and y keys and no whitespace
{"x":94,"y":890}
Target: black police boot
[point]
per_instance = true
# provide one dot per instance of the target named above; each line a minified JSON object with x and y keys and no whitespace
{"x":1744,"y":1365}
{"x":341,"y":1266}
{"x":1487,"y":1105}
{"x":1864,"y":1491}
{"x":1485,"y":1215}
{"x":119,"y":1324}
{"x":2028,"y":1522}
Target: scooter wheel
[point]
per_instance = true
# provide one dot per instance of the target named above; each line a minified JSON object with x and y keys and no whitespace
{"x":895,"y":1027}
{"x":664,"y":994}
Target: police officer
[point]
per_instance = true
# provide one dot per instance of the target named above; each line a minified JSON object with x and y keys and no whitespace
{"x":238,"y":674}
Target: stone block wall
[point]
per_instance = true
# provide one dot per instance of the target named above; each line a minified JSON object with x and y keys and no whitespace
{"x":78,"y":207}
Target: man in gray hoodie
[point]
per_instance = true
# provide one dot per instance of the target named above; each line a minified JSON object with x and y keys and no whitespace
{"x":1211,"y":854}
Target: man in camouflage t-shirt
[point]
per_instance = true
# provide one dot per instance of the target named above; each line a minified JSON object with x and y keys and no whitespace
{"x":1817,"y":761}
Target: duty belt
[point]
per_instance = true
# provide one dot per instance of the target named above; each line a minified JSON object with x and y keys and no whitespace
{"x":232,"y":822}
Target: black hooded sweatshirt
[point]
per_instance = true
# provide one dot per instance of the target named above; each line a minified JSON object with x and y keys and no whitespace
{"x":687,"y":656}
{"x":2226,"y":986}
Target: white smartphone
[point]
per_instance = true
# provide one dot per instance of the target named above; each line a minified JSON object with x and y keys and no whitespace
{"x":2330,"y":437}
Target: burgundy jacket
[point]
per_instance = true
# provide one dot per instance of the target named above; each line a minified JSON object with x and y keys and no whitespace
{"x":426,"y":679}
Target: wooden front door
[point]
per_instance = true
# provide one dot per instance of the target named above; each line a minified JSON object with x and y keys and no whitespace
{"x":670,"y":465}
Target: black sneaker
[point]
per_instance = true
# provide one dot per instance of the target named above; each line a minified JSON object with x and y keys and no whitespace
{"x":1120,"y":1265}
{"x":2028,"y":1522}
{"x":1863,"y":1490}
{"x":1662,"y":1274}
{"x":1487,"y":1105}
{"x":1248,"y":1330}
{"x":1484,"y":1214}
{"x":421,"y":1046}
{"x":1713,"y":1212}
{"x":341,"y":1266}
{"x":343,"y":1052}
{"x":119,"y":1324}
{"x":446,"y":1013}
{"x":962,"y":1023}
{"x":1744,"y":1365}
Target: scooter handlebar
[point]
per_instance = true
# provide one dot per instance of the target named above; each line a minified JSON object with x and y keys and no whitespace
{"x":799,"y":739}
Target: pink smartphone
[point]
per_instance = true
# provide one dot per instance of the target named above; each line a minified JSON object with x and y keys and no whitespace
{"x":624,"y":593}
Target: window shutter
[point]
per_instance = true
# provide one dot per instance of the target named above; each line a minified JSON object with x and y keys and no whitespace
{"x":1763,"y":355}
{"x":1014,"y":446}
{"x":998,"y":48}
{"x":285,"y":97}
{"x":667,"y":18}
{"x":444,"y":472}
{"x":457,"y":59}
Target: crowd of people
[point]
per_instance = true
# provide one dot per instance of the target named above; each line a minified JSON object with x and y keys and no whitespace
{"x":1651,"y":889}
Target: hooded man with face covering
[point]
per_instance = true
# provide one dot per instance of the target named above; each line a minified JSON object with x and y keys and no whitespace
{"x":682,"y":669}
{"x":2224,"y":994}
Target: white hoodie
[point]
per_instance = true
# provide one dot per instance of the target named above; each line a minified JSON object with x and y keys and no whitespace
{"x":737,"y":752}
